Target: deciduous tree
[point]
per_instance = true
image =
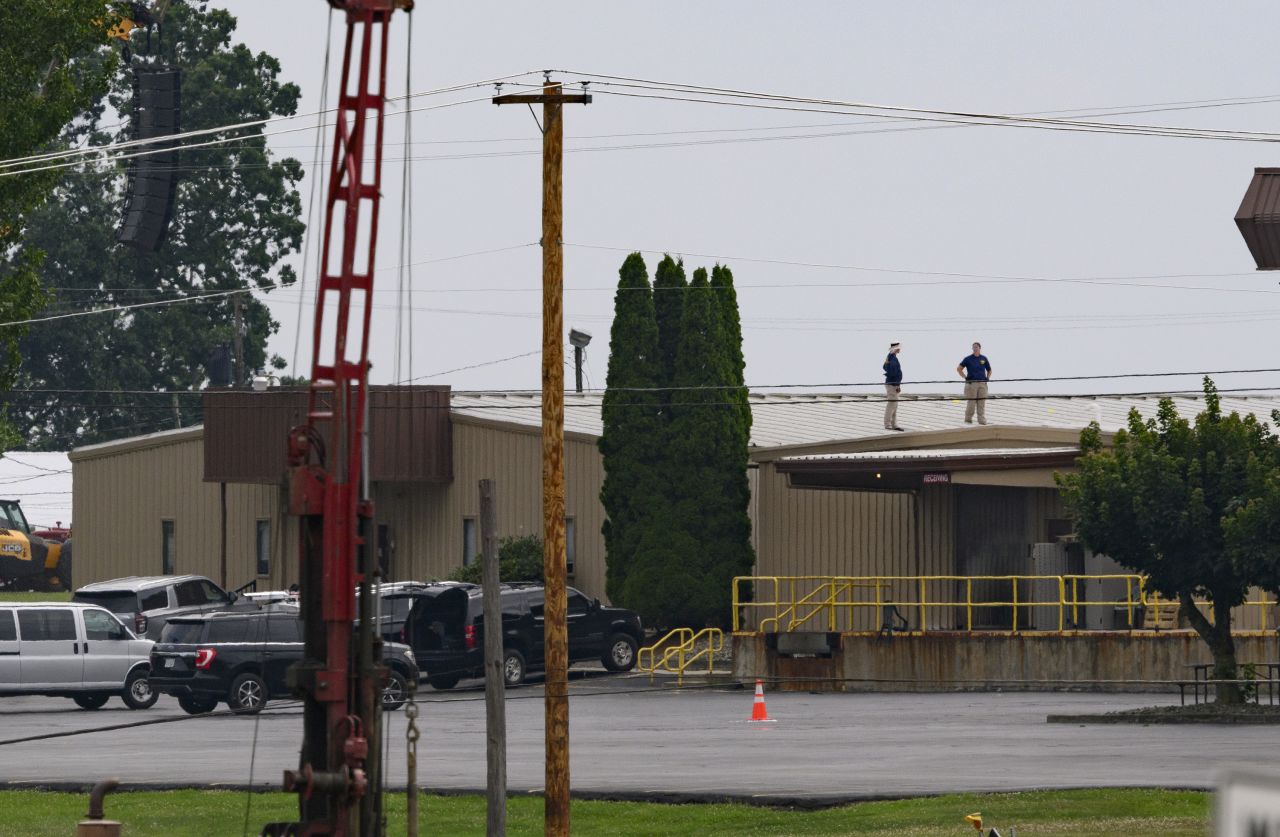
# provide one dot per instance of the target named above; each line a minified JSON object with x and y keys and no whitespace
{"x":1178,"y":502}
{"x":54,"y":64}
{"x":237,"y":217}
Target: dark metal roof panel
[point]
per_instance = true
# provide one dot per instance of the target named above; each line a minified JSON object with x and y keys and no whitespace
{"x":1259,"y":218}
{"x":245,"y":434}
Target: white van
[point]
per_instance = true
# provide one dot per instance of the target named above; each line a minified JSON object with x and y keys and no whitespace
{"x":79,"y":651}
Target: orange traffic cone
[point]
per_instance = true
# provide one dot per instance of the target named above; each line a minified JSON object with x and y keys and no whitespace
{"x":758,"y":713}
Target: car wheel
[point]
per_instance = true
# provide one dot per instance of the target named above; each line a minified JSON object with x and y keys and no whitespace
{"x":395,"y":693}
{"x":195,"y":705}
{"x":443,"y":681}
{"x":512,"y":667}
{"x":138,"y":693}
{"x":620,"y":653}
{"x":91,"y":701}
{"x":248,"y":694}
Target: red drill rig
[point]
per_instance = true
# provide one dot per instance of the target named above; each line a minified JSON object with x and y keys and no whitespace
{"x":339,"y":679}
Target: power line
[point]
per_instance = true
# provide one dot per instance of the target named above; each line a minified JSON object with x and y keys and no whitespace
{"x":771,"y":386}
{"x":252,"y":123}
{"x":922,"y":114}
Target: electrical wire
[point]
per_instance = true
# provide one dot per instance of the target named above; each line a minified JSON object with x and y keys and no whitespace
{"x":252,"y":123}
{"x":925,"y":114}
{"x":1211,"y":373}
{"x":317,"y":156}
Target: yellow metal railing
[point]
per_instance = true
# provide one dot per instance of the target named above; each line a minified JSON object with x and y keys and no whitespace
{"x":950,"y":602}
{"x":678,"y":651}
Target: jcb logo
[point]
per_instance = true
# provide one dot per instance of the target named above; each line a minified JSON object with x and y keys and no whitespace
{"x":11,"y":547}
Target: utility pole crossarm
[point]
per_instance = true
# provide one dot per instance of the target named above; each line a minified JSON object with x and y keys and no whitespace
{"x":543,"y":99}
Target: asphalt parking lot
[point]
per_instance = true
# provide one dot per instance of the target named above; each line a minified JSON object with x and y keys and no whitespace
{"x":630,"y":740}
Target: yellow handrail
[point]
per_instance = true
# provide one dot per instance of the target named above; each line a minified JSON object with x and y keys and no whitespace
{"x":798,"y":600}
{"x":679,"y":636}
{"x":680,"y":656}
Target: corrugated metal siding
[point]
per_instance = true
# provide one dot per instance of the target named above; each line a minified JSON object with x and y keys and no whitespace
{"x":831,"y":532}
{"x":427,"y":521}
{"x":120,"y":501}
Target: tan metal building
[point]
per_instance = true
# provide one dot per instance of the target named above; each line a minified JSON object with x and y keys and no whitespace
{"x":208,"y":499}
{"x":832,"y":492}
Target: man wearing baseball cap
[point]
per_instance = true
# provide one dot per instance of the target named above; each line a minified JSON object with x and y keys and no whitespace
{"x":976,"y":371}
{"x":892,"y":387}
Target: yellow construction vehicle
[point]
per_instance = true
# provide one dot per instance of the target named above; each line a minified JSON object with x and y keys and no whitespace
{"x":27,"y":560}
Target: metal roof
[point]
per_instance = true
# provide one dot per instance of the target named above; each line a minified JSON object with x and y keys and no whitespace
{"x":926,"y":454}
{"x":784,"y":420}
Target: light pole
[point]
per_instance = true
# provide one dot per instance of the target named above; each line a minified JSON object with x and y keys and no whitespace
{"x":579,"y":340}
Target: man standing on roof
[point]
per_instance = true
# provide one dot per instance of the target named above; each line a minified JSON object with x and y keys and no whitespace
{"x":976,"y":371}
{"x":892,"y":387}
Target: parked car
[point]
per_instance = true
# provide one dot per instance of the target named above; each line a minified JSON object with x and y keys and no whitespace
{"x":445,"y":628}
{"x":147,"y":602}
{"x":242,"y":659}
{"x":78,"y":651}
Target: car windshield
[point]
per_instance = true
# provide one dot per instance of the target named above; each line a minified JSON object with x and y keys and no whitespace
{"x":182,"y":633}
{"x":121,"y":602}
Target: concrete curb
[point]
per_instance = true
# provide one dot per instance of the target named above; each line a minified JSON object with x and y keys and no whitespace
{"x":1154,"y":719}
{"x":796,"y":801}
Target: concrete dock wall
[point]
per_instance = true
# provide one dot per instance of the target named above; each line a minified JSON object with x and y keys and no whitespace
{"x":1118,"y":661}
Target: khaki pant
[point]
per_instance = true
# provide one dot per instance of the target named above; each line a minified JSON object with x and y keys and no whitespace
{"x":975,"y":396}
{"x":891,"y":406}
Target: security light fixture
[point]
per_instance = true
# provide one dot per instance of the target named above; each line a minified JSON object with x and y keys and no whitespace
{"x":579,"y":339}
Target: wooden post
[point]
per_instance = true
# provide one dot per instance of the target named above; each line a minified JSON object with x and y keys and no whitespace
{"x":555,"y":631}
{"x":495,"y":710}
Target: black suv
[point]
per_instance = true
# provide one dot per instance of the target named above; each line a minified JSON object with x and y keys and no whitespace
{"x":242,"y":659}
{"x":445,"y":627}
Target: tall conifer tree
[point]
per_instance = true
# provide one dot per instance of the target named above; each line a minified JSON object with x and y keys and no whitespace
{"x":669,"y":287}
{"x":630,"y":443}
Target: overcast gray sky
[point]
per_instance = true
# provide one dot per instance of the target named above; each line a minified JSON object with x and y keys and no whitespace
{"x":992,"y":201}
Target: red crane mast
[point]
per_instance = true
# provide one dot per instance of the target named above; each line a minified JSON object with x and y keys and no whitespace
{"x":339,"y":678}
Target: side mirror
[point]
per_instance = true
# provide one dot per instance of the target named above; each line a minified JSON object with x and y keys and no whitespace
{"x":232,"y":596}
{"x":595,"y":604}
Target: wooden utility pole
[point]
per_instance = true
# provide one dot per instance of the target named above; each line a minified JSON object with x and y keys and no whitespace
{"x":495,"y":710}
{"x":556,"y":653}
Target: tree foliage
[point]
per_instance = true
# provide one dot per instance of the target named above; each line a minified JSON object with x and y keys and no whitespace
{"x":237,"y":217}
{"x":519,"y":559}
{"x":54,"y":63}
{"x":669,"y":286}
{"x":694,"y":529}
{"x":630,"y":442}
{"x":1180,"y":502}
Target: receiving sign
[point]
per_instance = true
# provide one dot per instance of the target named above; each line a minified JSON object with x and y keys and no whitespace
{"x":937,"y":479}
{"x":1247,"y":805}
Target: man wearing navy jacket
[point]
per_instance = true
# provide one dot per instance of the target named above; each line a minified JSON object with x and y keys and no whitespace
{"x":892,"y":387}
{"x":976,"y":371}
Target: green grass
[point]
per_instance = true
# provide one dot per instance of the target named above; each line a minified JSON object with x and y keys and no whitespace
{"x":64,"y":596}
{"x":1135,"y":813}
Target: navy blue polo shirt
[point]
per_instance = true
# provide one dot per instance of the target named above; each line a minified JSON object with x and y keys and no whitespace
{"x":976,"y":368}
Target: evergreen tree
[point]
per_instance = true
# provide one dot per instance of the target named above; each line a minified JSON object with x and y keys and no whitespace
{"x":731,"y":332}
{"x":736,"y":488}
{"x":629,"y":443}
{"x":669,"y":287}
{"x":698,"y":540}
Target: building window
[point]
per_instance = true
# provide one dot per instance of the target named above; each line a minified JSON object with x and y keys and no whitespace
{"x":168,"y":546}
{"x":262,"y":546}
{"x":468,"y":541}
{"x":569,"y":551}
